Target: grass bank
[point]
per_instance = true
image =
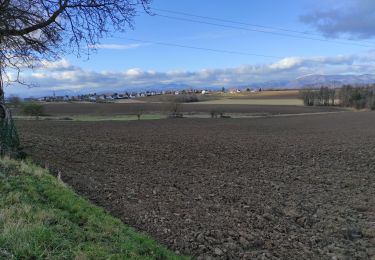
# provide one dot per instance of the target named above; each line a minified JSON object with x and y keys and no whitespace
{"x":42,"y":218}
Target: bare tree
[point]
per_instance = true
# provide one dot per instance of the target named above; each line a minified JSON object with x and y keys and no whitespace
{"x":35,"y":30}
{"x":332,"y":96}
{"x":173,"y":106}
{"x":308,"y":96}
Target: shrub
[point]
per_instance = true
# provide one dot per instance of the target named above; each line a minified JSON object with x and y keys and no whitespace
{"x":33,"y":109}
{"x":14,"y":102}
{"x":187,"y":98}
{"x":213,"y":114}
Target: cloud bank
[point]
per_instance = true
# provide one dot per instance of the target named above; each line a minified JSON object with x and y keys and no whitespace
{"x":63,"y":76}
{"x":353,"y":18}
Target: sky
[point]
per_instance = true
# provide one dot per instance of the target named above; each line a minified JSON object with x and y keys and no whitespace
{"x":248,"y":42}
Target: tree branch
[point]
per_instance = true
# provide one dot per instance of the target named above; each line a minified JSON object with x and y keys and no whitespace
{"x":38,"y":26}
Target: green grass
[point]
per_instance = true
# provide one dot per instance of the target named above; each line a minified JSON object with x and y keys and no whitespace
{"x":41,"y":218}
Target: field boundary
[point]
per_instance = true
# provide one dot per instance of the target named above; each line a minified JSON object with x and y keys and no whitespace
{"x":40,"y":217}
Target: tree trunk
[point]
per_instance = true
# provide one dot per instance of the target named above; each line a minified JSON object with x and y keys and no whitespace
{"x":9,"y":141}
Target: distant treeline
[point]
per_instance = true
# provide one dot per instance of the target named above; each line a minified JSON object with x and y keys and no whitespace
{"x":318,"y":97}
{"x":347,"y":96}
{"x":358,"y":97}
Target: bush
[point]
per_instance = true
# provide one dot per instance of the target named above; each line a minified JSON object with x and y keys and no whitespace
{"x":33,"y":109}
{"x":187,"y":98}
{"x":14,"y":102}
{"x":213,"y":114}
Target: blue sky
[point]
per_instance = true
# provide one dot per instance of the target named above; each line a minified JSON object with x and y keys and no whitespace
{"x":120,"y":63}
{"x":274,"y":13}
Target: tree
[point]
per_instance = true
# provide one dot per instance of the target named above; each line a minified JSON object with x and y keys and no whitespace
{"x":174,"y":107}
{"x":33,"y":31}
{"x":332,"y":96}
{"x":308,"y":96}
{"x":324,"y":96}
{"x":321,"y":96}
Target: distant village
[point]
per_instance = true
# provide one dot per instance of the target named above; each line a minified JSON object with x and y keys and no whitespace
{"x":107,"y":97}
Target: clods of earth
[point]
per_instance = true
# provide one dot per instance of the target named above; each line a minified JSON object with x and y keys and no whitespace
{"x":268,"y":188}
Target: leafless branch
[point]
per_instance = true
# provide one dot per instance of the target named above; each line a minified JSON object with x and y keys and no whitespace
{"x":35,"y":30}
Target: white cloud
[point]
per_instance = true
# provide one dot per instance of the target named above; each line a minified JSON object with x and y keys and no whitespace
{"x":294,"y":62}
{"x":38,"y":75}
{"x":136,"y":72}
{"x":56,"y":65}
{"x":286,"y":63}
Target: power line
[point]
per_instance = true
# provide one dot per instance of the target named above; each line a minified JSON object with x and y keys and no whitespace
{"x":200,"y":48}
{"x":231,"y":21}
{"x":247,"y":24}
{"x":257,"y":30}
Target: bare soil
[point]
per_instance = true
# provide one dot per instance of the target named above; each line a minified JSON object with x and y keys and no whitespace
{"x":268,"y":188}
{"x":266,"y":94}
{"x":112,"y":109}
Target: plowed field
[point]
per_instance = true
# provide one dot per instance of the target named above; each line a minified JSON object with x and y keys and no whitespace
{"x":268,"y":188}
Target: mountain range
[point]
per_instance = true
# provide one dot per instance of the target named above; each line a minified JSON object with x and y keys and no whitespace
{"x":316,"y":80}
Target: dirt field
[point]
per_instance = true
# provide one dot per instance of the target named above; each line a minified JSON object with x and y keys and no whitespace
{"x":113,"y":109}
{"x":285,"y":187}
{"x":266,"y":94}
{"x":255,"y":101}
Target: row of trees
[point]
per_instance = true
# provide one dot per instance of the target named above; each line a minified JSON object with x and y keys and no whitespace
{"x":347,"y":96}
{"x":358,"y":97}
{"x":318,"y":97}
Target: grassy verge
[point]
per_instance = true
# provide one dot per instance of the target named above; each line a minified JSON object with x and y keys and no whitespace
{"x":42,"y":218}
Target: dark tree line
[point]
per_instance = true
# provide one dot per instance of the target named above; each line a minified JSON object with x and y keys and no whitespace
{"x":358,"y":97}
{"x":361,"y":97}
{"x":318,"y":97}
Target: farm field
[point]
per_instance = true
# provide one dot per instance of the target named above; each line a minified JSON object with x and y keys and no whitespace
{"x":257,"y":101}
{"x":120,"y":109}
{"x":282,"y":187}
{"x":265,"y":94}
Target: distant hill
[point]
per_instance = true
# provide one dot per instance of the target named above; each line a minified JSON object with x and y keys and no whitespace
{"x":316,"y":80}
{"x":333,"y":80}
